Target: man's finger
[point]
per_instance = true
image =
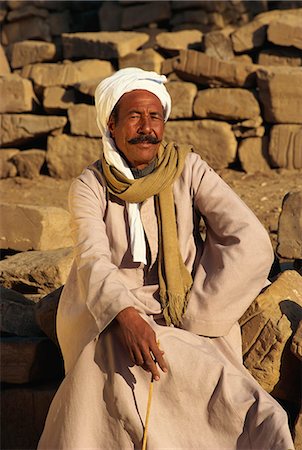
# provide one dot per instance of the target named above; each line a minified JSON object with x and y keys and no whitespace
{"x":150,"y":365}
{"x":158,"y":357}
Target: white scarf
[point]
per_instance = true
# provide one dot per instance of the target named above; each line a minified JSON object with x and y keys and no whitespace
{"x":107,"y":94}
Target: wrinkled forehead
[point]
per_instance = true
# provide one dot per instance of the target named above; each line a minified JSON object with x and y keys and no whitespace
{"x":139,"y":98}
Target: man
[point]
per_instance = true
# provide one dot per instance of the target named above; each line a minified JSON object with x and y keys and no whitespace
{"x":147,"y":298}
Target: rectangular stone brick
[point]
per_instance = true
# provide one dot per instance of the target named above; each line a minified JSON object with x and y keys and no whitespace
{"x":29,"y":52}
{"x":253,"y":34}
{"x":38,"y":272}
{"x":286,"y":30}
{"x":67,"y":155}
{"x":102,"y":45}
{"x":218,"y":44}
{"x":280,"y":92}
{"x":66,"y":74}
{"x":182,"y":96}
{"x":201,"y":68}
{"x":253,"y":154}
{"x":16,"y":94}
{"x":226,"y":103}
{"x":26,"y":28}
{"x":20,"y":128}
{"x":178,"y":40}
{"x":290,"y":227}
{"x":285,"y":147}
{"x":207,"y":138}
{"x":82,"y":120}
{"x":147,"y":59}
{"x":27,"y":227}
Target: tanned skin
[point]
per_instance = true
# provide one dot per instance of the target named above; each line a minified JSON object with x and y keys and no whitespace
{"x":137,"y":128}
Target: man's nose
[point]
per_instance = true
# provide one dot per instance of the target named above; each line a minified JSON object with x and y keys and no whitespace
{"x":145,"y":125}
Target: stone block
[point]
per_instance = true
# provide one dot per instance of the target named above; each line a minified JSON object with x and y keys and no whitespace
{"x":7,"y":168}
{"x":82,"y":120}
{"x":179,"y":40}
{"x":66,"y":74}
{"x":38,"y":272}
{"x":203,"y":69}
{"x":27,"y":360}
{"x":253,"y":34}
{"x":102,"y":45}
{"x":4,"y":66}
{"x":56,"y":98}
{"x":29,"y":52}
{"x":285,"y":148}
{"x":147,"y":59}
{"x":214,"y":141}
{"x":286,"y":31}
{"x":253,"y":154}
{"x":218,"y":44}
{"x":67,"y":156}
{"x":26,"y":11}
{"x":267,"y":327}
{"x":226,"y":103}
{"x":290,"y":227}
{"x":182,"y":95}
{"x":18,"y":314}
{"x":25,"y":409}
{"x":21,"y":128}
{"x":27,"y":28}
{"x":43,"y":228}
{"x":280,"y":56}
{"x":143,"y":14}
{"x":29,"y":162}
{"x":16,"y":94}
{"x":280,"y":92}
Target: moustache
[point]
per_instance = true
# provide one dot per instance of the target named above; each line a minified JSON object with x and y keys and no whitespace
{"x":144,"y":138}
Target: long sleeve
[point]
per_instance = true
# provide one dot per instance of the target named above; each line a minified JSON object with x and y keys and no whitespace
{"x":236,"y":257}
{"x":101,"y":283}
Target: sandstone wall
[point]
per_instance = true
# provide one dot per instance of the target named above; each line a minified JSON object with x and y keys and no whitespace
{"x":234,"y":71}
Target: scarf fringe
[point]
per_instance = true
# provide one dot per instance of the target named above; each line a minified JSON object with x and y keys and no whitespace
{"x":174,"y":306}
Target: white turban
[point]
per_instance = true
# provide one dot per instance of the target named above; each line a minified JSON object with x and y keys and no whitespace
{"x":107,"y":94}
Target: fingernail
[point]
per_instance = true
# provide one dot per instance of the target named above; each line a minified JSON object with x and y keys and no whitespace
{"x":156,"y":378}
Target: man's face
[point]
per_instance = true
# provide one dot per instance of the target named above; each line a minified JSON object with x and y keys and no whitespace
{"x":139,"y":127}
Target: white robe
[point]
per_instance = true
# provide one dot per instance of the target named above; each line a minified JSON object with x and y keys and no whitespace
{"x":207,"y":400}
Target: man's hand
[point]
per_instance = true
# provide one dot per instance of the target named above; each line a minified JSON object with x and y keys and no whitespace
{"x":140,"y":341}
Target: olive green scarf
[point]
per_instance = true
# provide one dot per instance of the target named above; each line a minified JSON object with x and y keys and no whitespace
{"x":174,"y":279}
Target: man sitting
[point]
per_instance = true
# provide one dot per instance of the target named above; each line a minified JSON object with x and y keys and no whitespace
{"x":148,"y":298}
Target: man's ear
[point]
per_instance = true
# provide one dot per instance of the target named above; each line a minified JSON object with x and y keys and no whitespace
{"x":111,"y":125}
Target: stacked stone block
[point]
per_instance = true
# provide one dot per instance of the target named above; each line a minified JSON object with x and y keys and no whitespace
{"x":237,"y":65}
